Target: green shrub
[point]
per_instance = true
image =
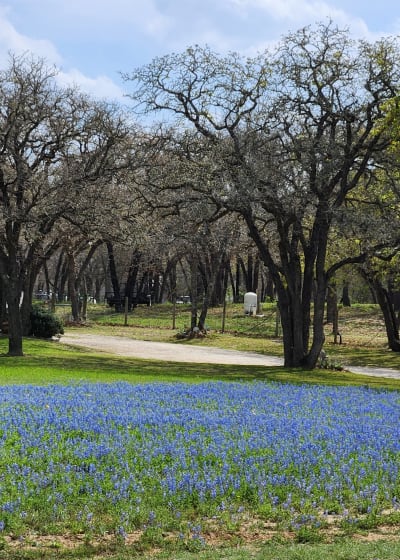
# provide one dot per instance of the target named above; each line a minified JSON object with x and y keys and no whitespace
{"x":45,"y":324}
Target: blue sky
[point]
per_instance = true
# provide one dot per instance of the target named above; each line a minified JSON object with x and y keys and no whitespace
{"x":92,"y":41}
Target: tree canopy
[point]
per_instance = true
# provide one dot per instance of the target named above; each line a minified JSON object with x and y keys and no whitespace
{"x":288,"y":136}
{"x":296,"y":148}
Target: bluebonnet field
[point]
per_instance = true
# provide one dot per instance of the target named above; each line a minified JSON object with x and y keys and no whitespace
{"x":118,"y":457}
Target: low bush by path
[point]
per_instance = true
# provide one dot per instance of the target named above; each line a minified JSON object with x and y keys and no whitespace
{"x":190,"y":466}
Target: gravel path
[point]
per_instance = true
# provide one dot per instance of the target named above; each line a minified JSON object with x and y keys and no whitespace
{"x":123,"y":346}
{"x":167,"y":351}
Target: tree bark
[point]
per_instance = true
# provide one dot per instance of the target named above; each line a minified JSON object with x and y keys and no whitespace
{"x":10,"y":269}
{"x":385,"y":303}
{"x":331,"y":302}
{"x":345,"y":295}
{"x":27,"y":298}
{"x":168,"y":285}
{"x":193,"y":292}
{"x":114,"y":276}
{"x":389,"y":315}
{"x":235,"y":281}
{"x":3,"y":308}
{"x":132,"y":277}
{"x":14,"y":317}
{"x":72,"y":291}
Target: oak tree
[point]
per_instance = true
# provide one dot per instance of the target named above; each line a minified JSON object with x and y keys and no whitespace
{"x":290,"y":134}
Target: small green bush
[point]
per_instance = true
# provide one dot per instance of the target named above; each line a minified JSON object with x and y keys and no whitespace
{"x":45,"y":324}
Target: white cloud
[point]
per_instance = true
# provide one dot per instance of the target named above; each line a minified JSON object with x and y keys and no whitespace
{"x":101,"y":87}
{"x":92,"y":39}
{"x":305,"y":12}
{"x":14,"y":42}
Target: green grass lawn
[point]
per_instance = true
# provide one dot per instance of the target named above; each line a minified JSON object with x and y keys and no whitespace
{"x":346,"y":549}
{"x":50,"y":362}
{"x":361,"y":327}
{"x":363,"y":338}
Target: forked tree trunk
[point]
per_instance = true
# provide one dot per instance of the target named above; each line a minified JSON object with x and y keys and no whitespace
{"x":295,"y":290}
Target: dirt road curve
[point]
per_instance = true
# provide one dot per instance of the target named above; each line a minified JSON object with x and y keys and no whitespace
{"x":167,"y":351}
{"x":184,"y":353}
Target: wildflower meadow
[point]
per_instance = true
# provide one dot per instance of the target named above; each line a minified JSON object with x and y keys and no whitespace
{"x":174,"y":458}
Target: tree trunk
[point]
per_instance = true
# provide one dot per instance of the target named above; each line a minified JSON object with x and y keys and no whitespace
{"x":185,"y":276}
{"x":97,"y":289}
{"x":84,"y":299}
{"x":295,"y":291}
{"x":47,"y":278}
{"x":10,"y":268}
{"x":26,"y":303}
{"x":14,"y":318}
{"x":168,"y":286}
{"x":345,"y":295}
{"x":132,"y":277}
{"x":61,"y":286}
{"x":256,"y":275}
{"x":26,"y":308}
{"x":3,"y":308}
{"x":292,"y":328}
{"x":208,"y":290}
{"x":331,"y":302}
{"x":269,"y":288}
{"x":385,"y":303}
{"x":155,"y":292}
{"x":73,"y":293}
{"x":235,"y":281}
{"x":203,"y":312}
{"x":318,"y":336}
{"x":114,"y":277}
{"x":193,"y":292}
{"x":389,"y":315}
{"x":249,"y":273}
{"x":57,"y":292}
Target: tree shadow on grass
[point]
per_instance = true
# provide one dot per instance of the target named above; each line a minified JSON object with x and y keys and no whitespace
{"x":47,"y":362}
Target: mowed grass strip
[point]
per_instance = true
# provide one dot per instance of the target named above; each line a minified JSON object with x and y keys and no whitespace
{"x":345,"y":549}
{"x":50,"y":362}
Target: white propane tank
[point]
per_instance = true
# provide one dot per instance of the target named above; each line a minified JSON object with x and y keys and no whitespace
{"x":250,"y":303}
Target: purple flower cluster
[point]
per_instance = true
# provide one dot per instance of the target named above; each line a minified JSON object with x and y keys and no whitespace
{"x":122,"y":453}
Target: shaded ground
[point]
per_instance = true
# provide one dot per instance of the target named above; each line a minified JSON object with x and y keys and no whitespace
{"x":165,"y":351}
